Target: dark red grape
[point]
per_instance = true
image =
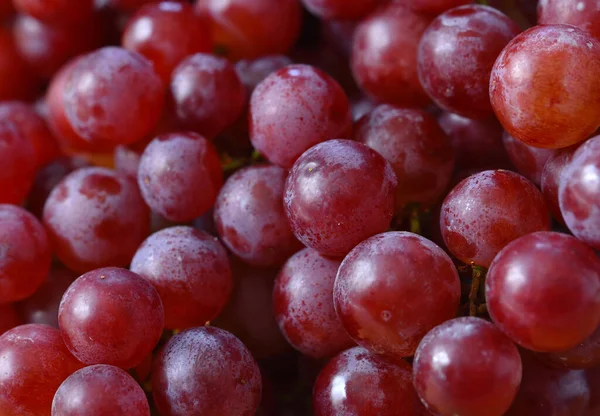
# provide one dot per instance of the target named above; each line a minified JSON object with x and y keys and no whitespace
{"x":113,"y":95}
{"x":467,"y":367}
{"x":180,"y":175}
{"x":303,"y":305}
{"x":543,"y":56}
{"x":357,"y":382}
{"x":166,"y":33}
{"x":253,"y":72}
{"x":295,"y":108}
{"x":528,"y":160}
{"x":24,"y":253}
{"x":536,"y":299}
{"x":18,"y":161}
{"x":579,"y":193}
{"x":191,"y":272}
{"x":325,"y":196}
{"x":340,"y":9}
{"x":248,"y":29}
{"x":250,"y":218}
{"x":436,"y":6}
{"x":100,"y":390}
{"x":551,"y":176}
{"x":584,"y":355}
{"x":206,"y":371}
{"x":6,"y":9}
{"x":392,"y":289}
{"x":111,"y":316}
{"x":9,"y":318}
{"x":96,"y":218}
{"x":33,"y":363}
{"x":17,"y":81}
{"x":585,"y":14}
{"x":56,"y":11}
{"x":417,"y":148}
{"x":128,"y":5}
{"x":593,"y":381}
{"x":384,"y":55}
{"x":488,"y":210}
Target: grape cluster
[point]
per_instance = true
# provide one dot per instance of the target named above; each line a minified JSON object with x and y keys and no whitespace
{"x":299,"y":208}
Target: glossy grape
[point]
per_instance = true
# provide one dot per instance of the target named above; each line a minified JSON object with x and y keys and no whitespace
{"x":9,"y":318}
{"x":536,"y":299}
{"x":579,"y":193}
{"x":417,"y":148}
{"x":206,"y":371}
{"x":18,"y":161}
{"x":488,"y":210}
{"x":467,"y":367}
{"x":584,"y":14}
{"x":166,"y":33}
{"x":250,"y":217}
{"x":324,"y":196}
{"x":56,"y":11}
{"x":551,"y":177}
{"x":295,"y":108}
{"x":17,"y":81}
{"x":111,"y":316}
{"x":387,"y":71}
{"x":392,"y":288}
{"x":359,"y":383}
{"x":113,"y":95}
{"x":537,"y":58}
{"x":584,"y":355}
{"x":191,"y":272}
{"x":303,"y":305}
{"x":33,"y":363}
{"x":180,"y":175}
{"x":341,"y":9}
{"x":100,"y":390}
{"x":528,"y":160}
{"x":248,"y":29}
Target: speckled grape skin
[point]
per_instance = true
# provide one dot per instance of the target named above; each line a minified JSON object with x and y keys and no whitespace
{"x":303,"y":305}
{"x":359,"y":383}
{"x":340,"y":9}
{"x":560,"y":107}
{"x":111,"y":316}
{"x":33,"y":363}
{"x":551,"y":177}
{"x":584,"y":14}
{"x":488,"y":210}
{"x":417,"y":148}
{"x":250,"y":218}
{"x":295,"y":108}
{"x":584,"y":355}
{"x":96,"y":217}
{"x":113,"y":95}
{"x":191,"y":272}
{"x":9,"y":318}
{"x":480,"y":371}
{"x":535,"y":298}
{"x":392,"y":289}
{"x":387,"y":71}
{"x":100,"y":390}
{"x":325,"y":196}
{"x":456,"y":55}
{"x":206,"y":371}
{"x":528,"y":160}
{"x":579,"y":193}
{"x":180,"y":175}
{"x":24,"y":253}
{"x":18,"y":161}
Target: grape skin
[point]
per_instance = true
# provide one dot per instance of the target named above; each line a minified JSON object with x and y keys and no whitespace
{"x":17,"y":158}
{"x":584,"y":14}
{"x":551,"y":177}
{"x":529,"y":161}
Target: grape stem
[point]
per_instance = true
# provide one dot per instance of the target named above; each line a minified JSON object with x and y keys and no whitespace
{"x":478,"y":276}
{"x":415,"y":220}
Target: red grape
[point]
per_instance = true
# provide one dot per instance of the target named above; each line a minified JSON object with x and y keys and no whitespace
{"x":551,"y":176}
{"x":100,"y":390}
{"x":418,"y":149}
{"x":392,"y":289}
{"x":528,"y":160}
{"x":111,"y":316}
{"x":166,"y":33}
{"x":584,"y":14}
{"x":128,"y":5}
{"x":17,"y":81}
{"x":253,"y":72}
{"x":579,"y":193}
{"x":436,"y":6}
{"x":384,"y":55}
{"x":127,"y":161}
{"x":24,"y":254}
{"x":340,"y":9}
{"x":325,"y":196}
{"x":95,"y":218}
{"x":42,"y":306}
{"x":207,"y":94}
{"x":584,"y":355}
{"x":488,"y":210}
{"x":357,"y":382}
{"x":56,"y":11}
{"x":206,"y":371}
{"x":191,"y":272}
{"x":33,"y":363}
{"x":6,"y":9}
{"x":467,"y":367}
{"x":248,"y":29}
{"x":9,"y":318}
{"x":593,"y":380}
{"x":559,"y":108}
{"x":536,"y":299}
{"x":303,"y":305}
{"x":456,"y":55}
{"x":295,"y":108}
{"x":18,"y":161}
{"x":113,"y":95}
{"x":250,"y":218}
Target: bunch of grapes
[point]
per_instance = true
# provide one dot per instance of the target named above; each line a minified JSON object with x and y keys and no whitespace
{"x":299,"y":208}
